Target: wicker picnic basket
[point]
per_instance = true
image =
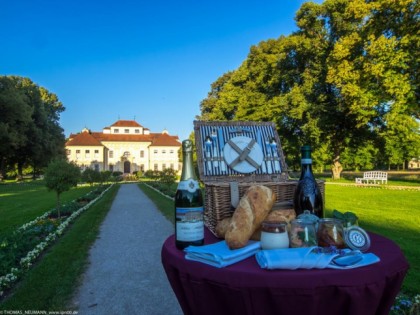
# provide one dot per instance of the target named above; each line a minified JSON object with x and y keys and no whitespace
{"x":231,"y":157}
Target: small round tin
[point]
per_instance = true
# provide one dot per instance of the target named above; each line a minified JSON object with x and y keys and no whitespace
{"x":356,"y":238}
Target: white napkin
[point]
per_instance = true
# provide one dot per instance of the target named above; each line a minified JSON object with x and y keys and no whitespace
{"x":305,"y":258}
{"x":219,"y":255}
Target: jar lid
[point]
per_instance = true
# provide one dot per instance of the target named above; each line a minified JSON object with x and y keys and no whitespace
{"x":306,"y":216}
{"x":357,"y":239}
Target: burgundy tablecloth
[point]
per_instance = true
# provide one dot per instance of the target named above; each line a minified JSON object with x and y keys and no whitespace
{"x":244,"y":288}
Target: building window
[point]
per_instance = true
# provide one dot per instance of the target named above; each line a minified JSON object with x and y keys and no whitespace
{"x":142,"y":153}
{"x":172,"y":166}
{"x":136,"y":130}
{"x":155,"y":167}
{"x":126,"y":131}
{"x":111,"y":154}
{"x":155,"y":151}
{"x":68,"y":152}
{"x":96,"y":154}
{"x":116,"y":130}
{"x":163,"y":151}
{"x":142,"y":167}
{"x":77,"y":154}
{"x":87,"y":153}
{"x":171,"y":151}
{"x":163,"y":166}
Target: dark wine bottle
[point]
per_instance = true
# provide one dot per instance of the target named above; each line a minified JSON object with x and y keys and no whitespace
{"x":189,"y":223}
{"x":307,"y":194}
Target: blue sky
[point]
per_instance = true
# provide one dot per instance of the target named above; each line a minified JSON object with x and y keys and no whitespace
{"x":149,"y":60}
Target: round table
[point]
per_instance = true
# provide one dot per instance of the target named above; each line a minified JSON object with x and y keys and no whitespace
{"x":245,"y":288}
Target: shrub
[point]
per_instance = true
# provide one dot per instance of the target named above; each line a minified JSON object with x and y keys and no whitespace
{"x":60,"y":176}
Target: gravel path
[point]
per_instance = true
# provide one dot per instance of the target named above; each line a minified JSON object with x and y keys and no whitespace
{"x":125,"y":275}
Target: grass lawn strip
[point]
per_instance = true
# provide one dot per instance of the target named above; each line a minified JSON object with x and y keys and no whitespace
{"x":51,"y":283}
{"x":21,"y":203}
{"x":7,"y":280}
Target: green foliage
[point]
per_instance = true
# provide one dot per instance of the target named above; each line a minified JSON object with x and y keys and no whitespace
{"x":29,"y":130}
{"x":168,"y":176}
{"x":91,"y":176}
{"x":348,"y":218}
{"x":60,"y":176}
{"x":151,"y":174}
{"x":51,"y":283}
{"x":346,"y":82}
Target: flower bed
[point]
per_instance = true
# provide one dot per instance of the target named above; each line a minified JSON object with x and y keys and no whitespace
{"x":19,"y":250}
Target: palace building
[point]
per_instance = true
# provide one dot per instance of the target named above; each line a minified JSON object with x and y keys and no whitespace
{"x":125,"y":146}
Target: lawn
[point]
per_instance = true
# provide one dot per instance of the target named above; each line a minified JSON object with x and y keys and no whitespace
{"x":391,"y":213}
{"x":23,"y":202}
{"x":394,"y":214}
{"x":52,"y":281}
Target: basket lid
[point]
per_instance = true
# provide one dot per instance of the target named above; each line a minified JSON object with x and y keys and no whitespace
{"x":242,"y":151}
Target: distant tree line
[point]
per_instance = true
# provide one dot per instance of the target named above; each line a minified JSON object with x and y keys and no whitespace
{"x":30,"y":133}
{"x":346,"y":82}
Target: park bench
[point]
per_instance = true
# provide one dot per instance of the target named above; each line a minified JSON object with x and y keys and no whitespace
{"x":373,"y":176}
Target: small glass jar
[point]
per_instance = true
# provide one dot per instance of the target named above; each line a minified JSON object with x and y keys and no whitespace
{"x":330,"y":233}
{"x":302,"y":233}
{"x":308,"y":216}
{"x":274,"y":235}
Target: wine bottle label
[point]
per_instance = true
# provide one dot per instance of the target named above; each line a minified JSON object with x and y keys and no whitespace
{"x":189,"y":224}
{"x":190,"y":184}
{"x":306,"y":161}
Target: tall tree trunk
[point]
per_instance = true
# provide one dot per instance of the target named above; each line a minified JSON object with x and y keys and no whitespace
{"x":336,"y":168}
{"x":20,"y":171}
{"x":58,"y":206}
{"x":2,"y":168}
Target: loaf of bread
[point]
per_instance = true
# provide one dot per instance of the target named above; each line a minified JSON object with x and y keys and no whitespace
{"x":251,"y":211}
{"x":222,"y":227}
{"x":275,"y":215}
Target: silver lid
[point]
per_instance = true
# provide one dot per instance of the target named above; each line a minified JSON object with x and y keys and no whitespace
{"x":357,"y":238}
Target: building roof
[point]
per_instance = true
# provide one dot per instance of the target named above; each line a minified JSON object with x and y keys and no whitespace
{"x":83,"y":139}
{"x":126,"y":123}
{"x":96,"y":139}
{"x":165,"y":140}
{"x":123,"y":137}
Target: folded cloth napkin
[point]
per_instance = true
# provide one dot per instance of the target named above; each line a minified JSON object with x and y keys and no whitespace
{"x":219,"y":254}
{"x":307,"y":258}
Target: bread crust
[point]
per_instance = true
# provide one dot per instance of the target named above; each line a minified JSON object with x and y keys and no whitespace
{"x":275,"y":215}
{"x":248,"y":216}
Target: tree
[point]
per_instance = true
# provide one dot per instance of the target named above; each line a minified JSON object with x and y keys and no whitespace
{"x":15,"y":115}
{"x":91,"y":176}
{"x":347,"y":77}
{"x":29,"y":121}
{"x":60,"y":176}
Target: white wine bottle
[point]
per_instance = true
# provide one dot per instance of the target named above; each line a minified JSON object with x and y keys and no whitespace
{"x":189,"y":209}
{"x":307,"y":195}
